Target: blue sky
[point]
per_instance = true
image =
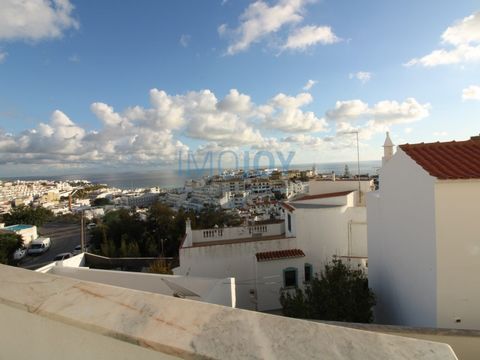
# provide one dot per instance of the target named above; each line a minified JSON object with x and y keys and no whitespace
{"x":115,"y":85}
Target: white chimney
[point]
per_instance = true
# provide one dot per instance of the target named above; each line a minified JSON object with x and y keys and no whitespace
{"x":387,"y":149}
{"x":188,"y":242}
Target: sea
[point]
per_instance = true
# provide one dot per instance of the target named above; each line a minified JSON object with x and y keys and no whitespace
{"x":172,"y":178}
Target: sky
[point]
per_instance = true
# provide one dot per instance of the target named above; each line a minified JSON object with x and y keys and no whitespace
{"x":120,"y":85}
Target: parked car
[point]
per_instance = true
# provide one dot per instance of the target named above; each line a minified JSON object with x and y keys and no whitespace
{"x":78,"y":249}
{"x":62,"y":256}
{"x":19,"y":254}
{"x":39,"y":246}
{"x":91,"y":226}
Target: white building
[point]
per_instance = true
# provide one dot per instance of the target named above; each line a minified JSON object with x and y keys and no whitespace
{"x":423,"y":236}
{"x":265,"y":257}
{"x":27,"y":232}
{"x":209,"y":290}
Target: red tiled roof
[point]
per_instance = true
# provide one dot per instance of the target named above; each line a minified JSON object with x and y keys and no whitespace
{"x":279,"y":254}
{"x":288,"y":207}
{"x":324,"y":196}
{"x":447,"y":160}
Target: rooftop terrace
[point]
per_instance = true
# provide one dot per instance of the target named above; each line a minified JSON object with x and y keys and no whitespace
{"x":68,"y":318}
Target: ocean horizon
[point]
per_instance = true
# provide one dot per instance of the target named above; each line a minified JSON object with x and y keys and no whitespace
{"x":172,"y":178}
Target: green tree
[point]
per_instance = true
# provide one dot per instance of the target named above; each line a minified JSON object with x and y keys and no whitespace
{"x":340,"y":293}
{"x":28,"y":215}
{"x":8,"y":244}
{"x":101,"y":202}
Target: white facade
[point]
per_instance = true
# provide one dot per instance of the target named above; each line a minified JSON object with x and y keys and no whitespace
{"x":27,"y":232}
{"x":322,"y":186}
{"x":317,"y":229}
{"x":424,"y":253}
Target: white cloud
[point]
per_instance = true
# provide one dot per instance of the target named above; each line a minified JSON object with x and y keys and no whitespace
{"x":259,"y":20}
{"x":463,"y":32}
{"x":370,"y":120}
{"x":35,"y":19}
{"x":307,"y":36}
{"x":149,"y":135}
{"x":309,"y":84}
{"x":440,"y":133}
{"x":262,"y":20}
{"x":471,"y":93}
{"x":305,"y":141}
{"x":3,"y":56}
{"x":363,"y":76}
{"x":408,"y":130}
{"x":284,"y":113}
{"x":463,"y":40}
{"x":185,"y":40}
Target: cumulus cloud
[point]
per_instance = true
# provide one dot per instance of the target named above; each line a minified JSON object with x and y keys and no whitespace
{"x":3,"y":56}
{"x":309,"y":84}
{"x":363,"y":76}
{"x":149,"y":134}
{"x":356,"y":115}
{"x":305,"y":141}
{"x":462,"y":45}
{"x":261,"y":20}
{"x":471,"y":93}
{"x":35,"y":19}
{"x":284,"y":113}
{"x":307,"y":36}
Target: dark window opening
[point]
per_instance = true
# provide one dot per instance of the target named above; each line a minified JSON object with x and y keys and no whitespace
{"x":308,"y":272}
{"x":290,"y":277}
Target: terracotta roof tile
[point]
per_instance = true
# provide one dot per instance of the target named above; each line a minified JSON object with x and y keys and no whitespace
{"x":288,"y":207}
{"x":447,"y":160}
{"x":279,"y":254}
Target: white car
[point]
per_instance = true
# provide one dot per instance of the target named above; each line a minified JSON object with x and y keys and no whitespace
{"x":39,"y":246}
{"x":19,"y":254}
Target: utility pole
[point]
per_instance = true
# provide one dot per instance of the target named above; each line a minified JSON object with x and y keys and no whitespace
{"x":82,"y":233}
{"x":358,"y":171}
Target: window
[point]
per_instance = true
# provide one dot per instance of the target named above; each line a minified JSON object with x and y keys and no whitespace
{"x":289,"y":222}
{"x":308,"y":272}
{"x":290,"y":277}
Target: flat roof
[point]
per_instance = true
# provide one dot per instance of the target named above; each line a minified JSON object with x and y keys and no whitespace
{"x":236,"y":241}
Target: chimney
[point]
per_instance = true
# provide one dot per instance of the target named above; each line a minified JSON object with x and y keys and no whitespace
{"x":476,"y":137}
{"x":387,"y":149}
{"x":188,"y":242}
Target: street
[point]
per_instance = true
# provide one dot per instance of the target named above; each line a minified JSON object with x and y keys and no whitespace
{"x":64,"y":237}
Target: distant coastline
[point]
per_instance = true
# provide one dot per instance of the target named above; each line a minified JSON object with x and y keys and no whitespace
{"x":171,"y":178}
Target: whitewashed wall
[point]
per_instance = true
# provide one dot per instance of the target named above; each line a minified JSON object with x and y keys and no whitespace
{"x":231,"y":260}
{"x":401,"y":244}
{"x":458,"y":250}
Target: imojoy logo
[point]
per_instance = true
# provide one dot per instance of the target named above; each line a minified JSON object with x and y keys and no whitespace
{"x":228,"y":159}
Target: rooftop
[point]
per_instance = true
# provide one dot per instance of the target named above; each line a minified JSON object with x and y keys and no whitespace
{"x":447,"y":160}
{"x":113,"y":322}
{"x":279,"y":254}
{"x":238,"y":241}
{"x":324,"y":196}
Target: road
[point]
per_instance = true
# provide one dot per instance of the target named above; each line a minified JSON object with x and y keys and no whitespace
{"x":64,"y":237}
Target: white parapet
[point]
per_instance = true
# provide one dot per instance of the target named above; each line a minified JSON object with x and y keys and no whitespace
{"x":60,"y":317}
